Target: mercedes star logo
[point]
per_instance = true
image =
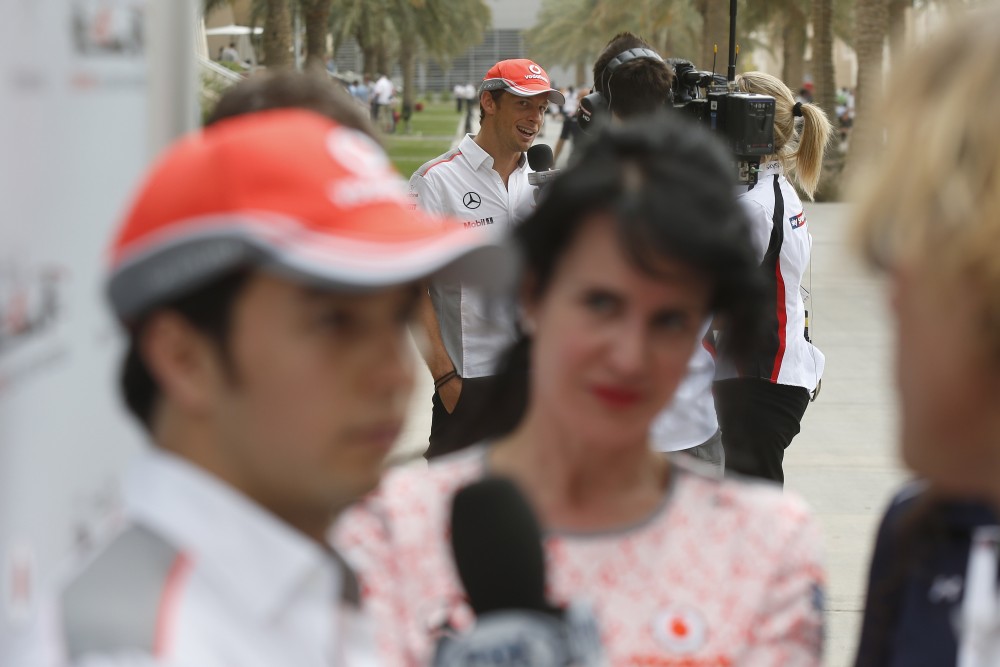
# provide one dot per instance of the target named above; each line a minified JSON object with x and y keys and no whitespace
{"x":472,"y":200}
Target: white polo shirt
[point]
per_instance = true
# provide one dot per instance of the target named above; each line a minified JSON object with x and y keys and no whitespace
{"x":203,"y":576}
{"x":690,"y":419}
{"x":463,"y":184}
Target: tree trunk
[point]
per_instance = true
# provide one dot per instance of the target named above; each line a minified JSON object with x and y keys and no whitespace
{"x":408,"y":63}
{"x":367,"y":53}
{"x":382,"y":59}
{"x":825,"y":81}
{"x":714,"y":31}
{"x":872,"y":22}
{"x":581,"y":74}
{"x":793,"y":48}
{"x":316,"y":14}
{"x":897,"y":29}
{"x":278,"y":34}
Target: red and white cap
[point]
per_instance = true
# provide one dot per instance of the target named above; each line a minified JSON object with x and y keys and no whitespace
{"x":522,"y":77}
{"x":288,"y":191}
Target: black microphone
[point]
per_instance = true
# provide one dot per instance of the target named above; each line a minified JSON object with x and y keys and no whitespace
{"x":541,"y":162}
{"x":497,"y":543}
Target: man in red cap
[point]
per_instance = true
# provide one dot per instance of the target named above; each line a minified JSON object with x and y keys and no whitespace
{"x":483,"y":182}
{"x":266,"y":275}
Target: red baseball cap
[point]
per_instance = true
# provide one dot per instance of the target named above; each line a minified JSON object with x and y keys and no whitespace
{"x":289,"y":191}
{"x":522,"y":77}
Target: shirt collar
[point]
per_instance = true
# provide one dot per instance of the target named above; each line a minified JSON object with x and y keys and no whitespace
{"x":261,"y":562}
{"x":478,"y":157}
{"x":772,"y":167}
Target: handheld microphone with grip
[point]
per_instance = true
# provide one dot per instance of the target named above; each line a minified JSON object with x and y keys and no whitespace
{"x":541,"y":162}
{"x":498,"y":551}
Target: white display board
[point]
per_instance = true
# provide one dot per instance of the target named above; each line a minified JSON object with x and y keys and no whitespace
{"x":77,"y":130}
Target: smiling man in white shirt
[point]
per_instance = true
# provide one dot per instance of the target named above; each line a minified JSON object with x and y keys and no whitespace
{"x":266,"y":274}
{"x":484,"y":183}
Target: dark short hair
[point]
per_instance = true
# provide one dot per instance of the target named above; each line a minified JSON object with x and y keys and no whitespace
{"x":208,"y":307}
{"x":496,"y":95}
{"x":669,"y":186}
{"x":637,"y":87}
{"x":290,"y":89}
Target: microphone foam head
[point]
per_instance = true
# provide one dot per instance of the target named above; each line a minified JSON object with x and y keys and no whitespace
{"x":497,"y":544}
{"x":540,"y":157}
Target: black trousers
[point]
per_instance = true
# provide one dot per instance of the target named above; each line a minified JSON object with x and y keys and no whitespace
{"x":485,"y":410}
{"x":758,"y":419}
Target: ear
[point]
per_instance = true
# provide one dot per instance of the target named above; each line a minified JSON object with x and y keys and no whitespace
{"x":488,"y":103}
{"x":528,"y":299}
{"x":184,"y":362}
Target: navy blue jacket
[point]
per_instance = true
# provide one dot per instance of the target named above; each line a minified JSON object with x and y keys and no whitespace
{"x":916,"y":583}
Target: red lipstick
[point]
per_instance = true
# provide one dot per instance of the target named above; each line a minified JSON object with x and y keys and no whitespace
{"x":616,"y":397}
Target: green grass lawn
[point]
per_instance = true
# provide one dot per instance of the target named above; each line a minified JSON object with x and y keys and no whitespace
{"x":431,"y":133}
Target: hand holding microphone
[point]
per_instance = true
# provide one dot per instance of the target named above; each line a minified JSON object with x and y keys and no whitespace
{"x":497,"y":544}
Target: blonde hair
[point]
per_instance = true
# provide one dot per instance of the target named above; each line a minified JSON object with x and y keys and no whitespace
{"x":801,"y":154}
{"x":934,"y":191}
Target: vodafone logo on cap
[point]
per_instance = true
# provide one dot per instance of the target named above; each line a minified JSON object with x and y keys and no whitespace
{"x":536,"y":73}
{"x":373,"y":180}
{"x":680,"y":629}
{"x":357,"y":153}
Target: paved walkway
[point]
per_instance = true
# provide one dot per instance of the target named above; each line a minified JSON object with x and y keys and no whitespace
{"x":843,"y":462}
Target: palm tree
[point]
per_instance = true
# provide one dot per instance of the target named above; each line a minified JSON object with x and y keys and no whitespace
{"x":897,"y":18}
{"x":565,"y":33}
{"x":822,"y":56}
{"x":793,"y":43}
{"x":407,"y":28}
{"x":714,"y":32}
{"x":277,"y":39}
{"x":442,"y":28}
{"x":781,"y":22}
{"x":316,"y":16}
{"x":872,"y":18}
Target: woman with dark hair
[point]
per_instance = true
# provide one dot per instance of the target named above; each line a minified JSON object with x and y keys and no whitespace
{"x":928,"y":218}
{"x":626,"y":256}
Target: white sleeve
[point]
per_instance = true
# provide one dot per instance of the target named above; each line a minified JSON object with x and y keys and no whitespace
{"x":424,"y":195}
{"x":760,"y":225}
{"x":124,"y":659}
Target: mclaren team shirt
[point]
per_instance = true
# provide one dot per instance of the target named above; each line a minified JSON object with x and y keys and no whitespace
{"x":722,"y":573}
{"x":475,"y":328}
{"x":203,"y":577}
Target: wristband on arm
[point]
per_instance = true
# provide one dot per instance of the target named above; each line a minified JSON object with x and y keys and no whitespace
{"x":445,"y":379}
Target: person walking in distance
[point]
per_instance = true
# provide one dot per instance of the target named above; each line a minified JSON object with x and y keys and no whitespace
{"x":484,"y":182}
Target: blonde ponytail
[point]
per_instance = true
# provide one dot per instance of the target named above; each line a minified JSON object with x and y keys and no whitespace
{"x":801,"y":154}
{"x":816,"y":131}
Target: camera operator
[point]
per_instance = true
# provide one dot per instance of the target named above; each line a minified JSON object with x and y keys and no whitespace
{"x":632,"y":80}
{"x":760,"y":405}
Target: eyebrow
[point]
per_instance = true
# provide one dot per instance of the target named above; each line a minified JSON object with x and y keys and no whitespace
{"x":313,"y":293}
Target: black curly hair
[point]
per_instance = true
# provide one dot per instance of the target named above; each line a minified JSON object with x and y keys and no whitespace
{"x":669,"y":186}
